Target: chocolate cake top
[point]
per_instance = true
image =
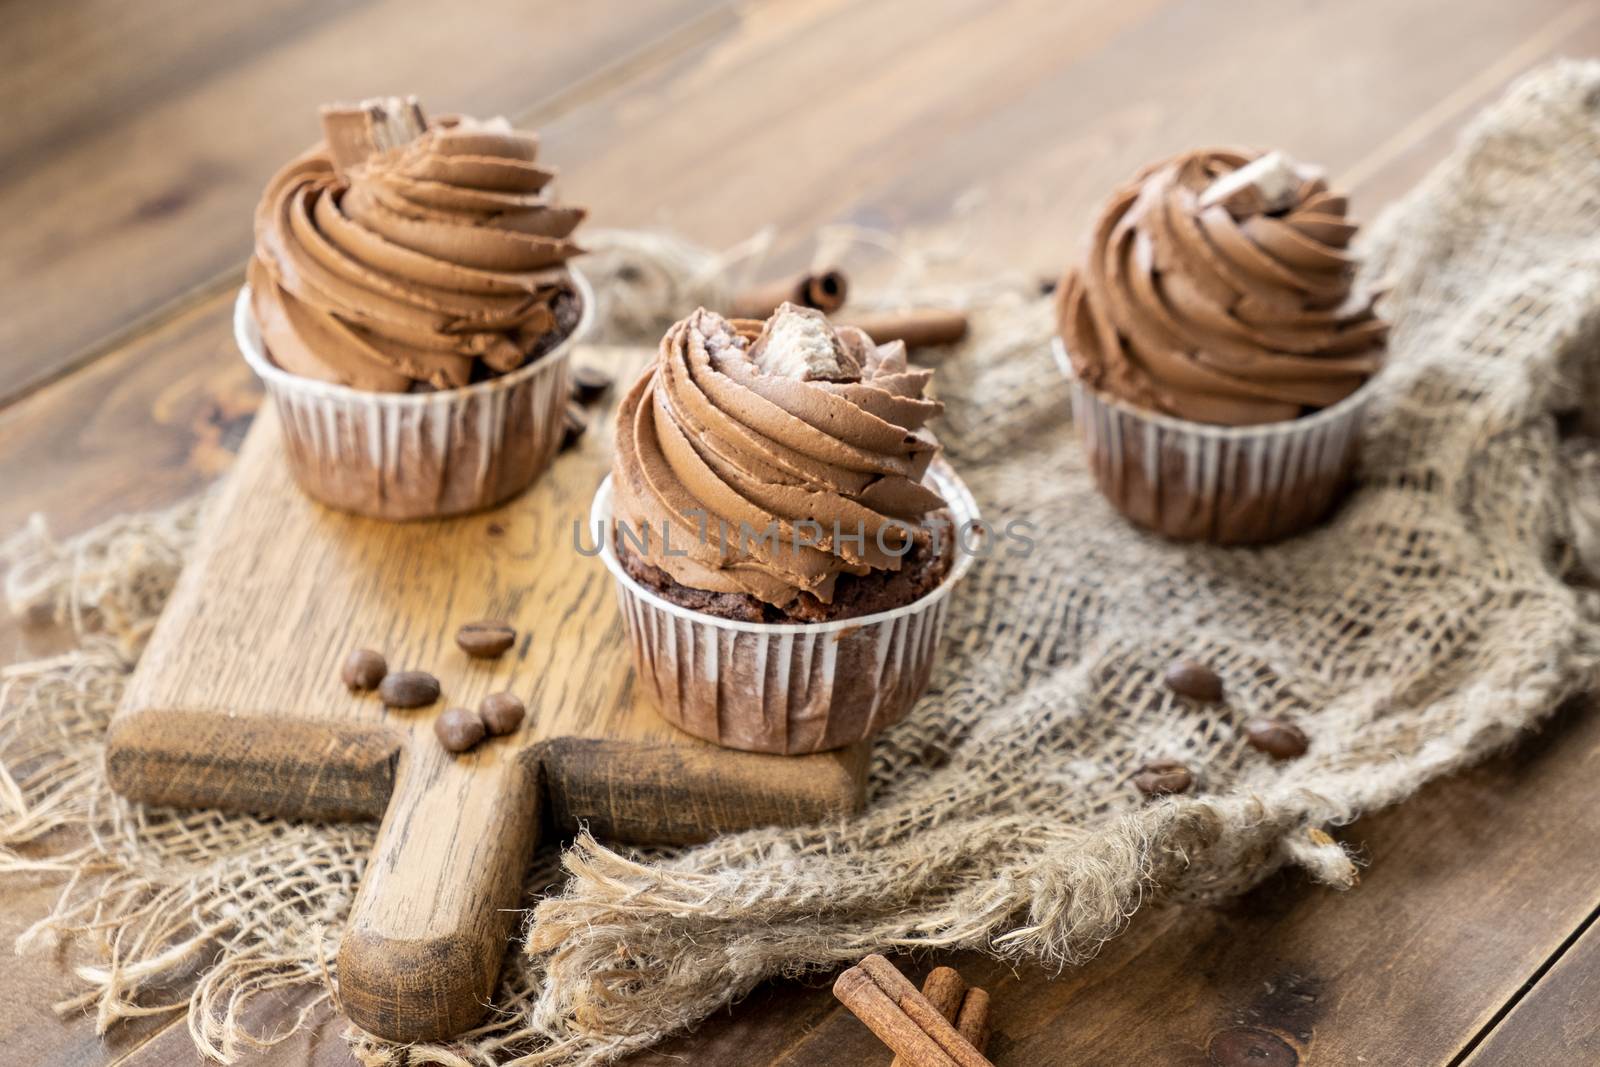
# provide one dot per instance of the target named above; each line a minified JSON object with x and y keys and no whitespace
{"x":1219,"y":288}
{"x":400,"y":251}
{"x":770,"y":458}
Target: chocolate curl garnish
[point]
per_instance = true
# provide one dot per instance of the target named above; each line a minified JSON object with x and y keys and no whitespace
{"x":355,"y":134}
{"x":967,"y":1009}
{"x":917,"y":327}
{"x":902,"y":1018}
{"x":823,"y":290}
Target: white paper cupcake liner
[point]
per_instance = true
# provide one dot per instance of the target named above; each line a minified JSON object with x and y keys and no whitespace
{"x":418,"y":455}
{"x":1227,"y":485}
{"x":786,"y":688}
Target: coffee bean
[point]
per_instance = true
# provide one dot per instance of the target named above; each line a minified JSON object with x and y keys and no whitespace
{"x":502,"y":712}
{"x":1160,"y":777}
{"x":458,"y":729}
{"x":573,"y":427}
{"x":1193,"y":679}
{"x":1278,"y":738}
{"x":486,"y":639}
{"x":363,"y":669}
{"x":589,"y":384}
{"x":409,"y":689}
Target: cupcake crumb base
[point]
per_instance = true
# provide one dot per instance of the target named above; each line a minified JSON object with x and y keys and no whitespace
{"x":921,"y":571}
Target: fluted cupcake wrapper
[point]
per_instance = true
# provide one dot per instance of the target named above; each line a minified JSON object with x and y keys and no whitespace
{"x":1228,"y":485}
{"x":418,"y":455}
{"x":786,"y":688}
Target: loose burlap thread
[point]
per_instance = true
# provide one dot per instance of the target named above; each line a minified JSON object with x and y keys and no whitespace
{"x":1429,"y":623}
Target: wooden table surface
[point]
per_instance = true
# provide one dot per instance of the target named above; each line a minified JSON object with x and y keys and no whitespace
{"x":138,"y":136}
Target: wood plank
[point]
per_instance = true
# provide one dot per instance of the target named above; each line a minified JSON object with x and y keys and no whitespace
{"x":1556,"y":1021}
{"x":83,"y":66}
{"x":138,"y":430}
{"x":836,"y":102}
{"x":115,"y":212}
{"x":1465,"y":898}
{"x":1025,"y":113}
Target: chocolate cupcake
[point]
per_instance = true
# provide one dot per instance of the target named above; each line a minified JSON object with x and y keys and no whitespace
{"x":410,"y":308}
{"x":1220,"y":347}
{"x":782,"y":531}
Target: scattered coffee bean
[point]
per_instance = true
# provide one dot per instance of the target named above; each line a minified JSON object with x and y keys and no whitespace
{"x":458,"y":729}
{"x":1163,"y":776}
{"x":573,"y":427}
{"x":409,"y":689}
{"x":1193,"y":679}
{"x":589,"y":384}
{"x":1278,"y":738}
{"x":502,"y":712}
{"x":363,"y":669}
{"x":486,"y":639}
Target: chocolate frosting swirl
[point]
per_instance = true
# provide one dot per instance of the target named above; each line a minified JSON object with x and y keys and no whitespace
{"x":724,"y":430}
{"x":1204,"y":298}
{"x":440,"y":261}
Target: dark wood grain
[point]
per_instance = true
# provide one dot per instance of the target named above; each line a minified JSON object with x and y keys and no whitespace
{"x":1556,"y":1021}
{"x":180,"y":399}
{"x":991,"y":130}
{"x":130,"y":191}
{"x":84,"y":66}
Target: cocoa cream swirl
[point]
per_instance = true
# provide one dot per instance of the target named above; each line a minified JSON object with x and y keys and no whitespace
{"x":1219,"y":288}
{"x":434,"y":263}
{"x":742,"y":428}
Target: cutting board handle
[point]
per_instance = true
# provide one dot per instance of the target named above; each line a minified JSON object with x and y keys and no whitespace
{"x":427,"y":933}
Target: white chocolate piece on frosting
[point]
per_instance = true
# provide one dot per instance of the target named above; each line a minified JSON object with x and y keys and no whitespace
{"x":1270,"y":183}
{"x":800,"y":343}
{"x":396,"y":121}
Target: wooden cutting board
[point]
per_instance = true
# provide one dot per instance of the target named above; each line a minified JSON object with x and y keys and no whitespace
{"x":237,"y":704}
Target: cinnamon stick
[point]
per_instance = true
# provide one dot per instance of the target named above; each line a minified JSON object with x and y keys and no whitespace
{"x":902,"y":1018}
{"x":823,"y":290}
{"x":944,"y":989}
{"x":917,"y":327}
{"x":972,"y":1021}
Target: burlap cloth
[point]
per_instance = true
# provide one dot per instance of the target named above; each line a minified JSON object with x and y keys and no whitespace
{"x":1429,"y":623}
